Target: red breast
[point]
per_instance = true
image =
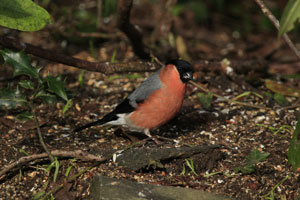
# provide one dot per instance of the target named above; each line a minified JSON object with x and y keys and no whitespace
{"x":162,"y":104}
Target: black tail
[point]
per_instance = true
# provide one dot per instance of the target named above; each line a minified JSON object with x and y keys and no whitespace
{"x":107,"y":118}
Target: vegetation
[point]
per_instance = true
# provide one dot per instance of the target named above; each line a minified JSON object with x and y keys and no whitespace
{"x":31,"y":88}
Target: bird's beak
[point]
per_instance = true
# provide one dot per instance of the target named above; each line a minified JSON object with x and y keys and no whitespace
{"x":188,"y":76}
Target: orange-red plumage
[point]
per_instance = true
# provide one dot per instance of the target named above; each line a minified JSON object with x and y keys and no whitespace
{"x":162,"y":104}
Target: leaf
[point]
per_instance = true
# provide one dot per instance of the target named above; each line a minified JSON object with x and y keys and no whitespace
{"x":294,"y":149}
{"x":20,"y":62}
{"x":268,"y":94}
{"x":48,"y":98}
{"x":205,"y":100}
{"x":256,"y":156}
{"x":280,"y":99}
{"x":11,"y":98}
{"x":282,"y":89}
{"x":290,"y":15}
{"x":182,"y":48}
{"x":247,"y":93}
{"x":190,"y":164}
{"x":38,"y":195}
{"x":68,"y":170}
{"x":23,"y":151}
{"x":27,"y":84}
{"x":80,"y":77}
{"x":113,"y":57}
{"x":248,"y":169}
{"x":56,"y":85}
{"x":23,"y":15}
{"x":67,"y":106}
{"x":109,"y":7}
{"x":242,"y":95}
{"x":24,"y":116}
{"x":57,"y":165}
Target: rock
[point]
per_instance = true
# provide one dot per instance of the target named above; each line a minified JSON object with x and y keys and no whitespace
{"x":105,"y":188}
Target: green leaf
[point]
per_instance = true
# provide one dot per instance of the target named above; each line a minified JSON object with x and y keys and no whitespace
{"x":190,"y":164}
{"x":85,"y":21}
{"x":80,"y":77}
{"x":20,"y":62}
{"x":25,"y":116}
{"x":268,"y":94}
{"x":290,"y":15}
{"x":23,"y":15}
{"x":68,"y":170}
{"x":294,"y":149}
{"x":38,"y":195}
{"x":27,"y":84}
{"x":248,"y":169}
{"x":56,"y":85}
{"x":23,"y":151}
{"x":57,"y":165}
{"x":67,"y":106}
{"x":11,"y":98}
{"x":113,"y":57}
{"x":256,"y":156}
{"x":280,"y":99}
{"x":247,"y":93}
{"x":205,"y":100}
{"x":48,"y":98}
{"x":109,"y":7}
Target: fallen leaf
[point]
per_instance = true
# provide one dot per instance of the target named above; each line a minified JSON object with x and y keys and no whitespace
{"x":282,"y":89}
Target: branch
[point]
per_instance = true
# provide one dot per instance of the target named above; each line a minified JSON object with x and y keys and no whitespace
{"x":75,"y":154}
{"x":135,"y":37}
{"x":102,"y":67}
{"x":109,"y":68}
{"x":275,"y":22}
{"x":37,"y":124}
{"x":99,"y":14}
{"x":79,"y":154}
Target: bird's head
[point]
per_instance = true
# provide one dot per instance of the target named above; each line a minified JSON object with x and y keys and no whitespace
{"x":185,"y":69}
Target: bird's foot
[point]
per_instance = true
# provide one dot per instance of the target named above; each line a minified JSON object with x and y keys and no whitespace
{"x":147,"y":132}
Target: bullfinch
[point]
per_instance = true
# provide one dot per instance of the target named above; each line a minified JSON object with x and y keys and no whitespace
{"x":154,"y":102}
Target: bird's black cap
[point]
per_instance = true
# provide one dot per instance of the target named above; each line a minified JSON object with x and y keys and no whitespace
{"x":184,"y":68}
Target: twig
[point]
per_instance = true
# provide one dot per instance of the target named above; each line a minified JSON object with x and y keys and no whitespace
{"x":280,"y":182}
{"x":275,"y":22}
{"x":102,"y":67}
{"x":79,"y":154}
{"x":173,"y":140}
{"x":110,"y":35}
{"x":40,"y":133}
{"x":291,"y":106}
{"x":156,"y":59}
{"x":135,"y":37}
{"x":228,"y":100}
{"x":99,"y":14}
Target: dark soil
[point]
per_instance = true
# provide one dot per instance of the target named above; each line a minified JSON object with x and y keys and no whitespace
{"x":238,"y":129}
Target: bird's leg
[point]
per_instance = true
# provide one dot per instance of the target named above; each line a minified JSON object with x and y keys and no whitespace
{"x":123,"y":133}
{"x":147,"y":132}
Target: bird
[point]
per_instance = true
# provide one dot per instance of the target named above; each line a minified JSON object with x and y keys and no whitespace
{"x":154,"y":102}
